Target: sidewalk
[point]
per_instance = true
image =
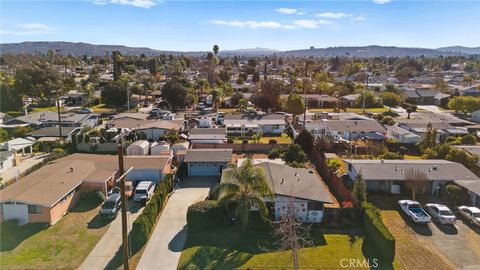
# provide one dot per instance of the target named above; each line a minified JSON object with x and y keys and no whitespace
{"x":110,"y":243}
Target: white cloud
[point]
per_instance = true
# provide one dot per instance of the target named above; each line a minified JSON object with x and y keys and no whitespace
{"x":360,"y":18}
{"x":381,"y":2}
{"x":296,"y":24}
{"x":286,"y":10}
{"x":333,"y":15}
{"x":134,"y":3}
{"x":30,"y":29}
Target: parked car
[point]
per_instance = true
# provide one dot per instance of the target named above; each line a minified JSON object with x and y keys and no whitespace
{"x":413,"y":210}
{"x":441,"y":213}
{"x":472,"y":214}
{"x":86,"y":110}
{"x":111,"y":206}
{"x":144,"y":191}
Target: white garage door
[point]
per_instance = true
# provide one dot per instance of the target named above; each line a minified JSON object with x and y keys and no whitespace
{"x":203,"y":169}
{"x":17,"y":211}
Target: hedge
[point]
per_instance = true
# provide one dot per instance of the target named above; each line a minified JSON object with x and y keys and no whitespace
{"x":143,"y":225}
{"x":205,"y":215}
{"x":378,"y":233}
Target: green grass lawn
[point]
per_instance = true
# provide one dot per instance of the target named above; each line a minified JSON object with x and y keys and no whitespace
{"x":282,"y":139}
{"x":235,"y":248}
{"x":102,"y":108}
{"x":51,"y":108}
{"x":62,"y":246}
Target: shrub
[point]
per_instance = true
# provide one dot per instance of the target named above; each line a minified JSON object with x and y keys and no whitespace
{"x":378,"y":233}
{"x":391,"y":155}
{"x":257,"y":222}
{"x":388,"y":120}
{"x":272,"y":141}
{"x":229,"y":141}
{"x":244,"y":141}
{"x":275,"y":153}
{"x":204,"y":215}
{"x":455,"y":195}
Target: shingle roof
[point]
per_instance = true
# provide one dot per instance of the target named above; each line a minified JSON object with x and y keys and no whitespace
{"x":52,"y":182}
{"x":435,"y":169}
{"x":270,"y":119}
{"x":146,"y":124}
{"x":52,"y":132}
{"x":348,"y":125}
{"x":146,"y":162}
{"x":208,"y":155}
{"x":283,"y":180}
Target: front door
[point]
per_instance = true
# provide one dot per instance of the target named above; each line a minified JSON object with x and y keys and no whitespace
{"x":395,"y":188}
{"x":18,"y":211}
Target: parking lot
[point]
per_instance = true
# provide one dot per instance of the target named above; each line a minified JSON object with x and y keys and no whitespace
{"x":431,"y":246}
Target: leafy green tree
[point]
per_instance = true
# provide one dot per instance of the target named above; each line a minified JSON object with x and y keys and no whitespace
{"x":269,"y":96}
{"x":10,"y":99}
{"x":245,"y":187}
{"x":370,"y":101}
{"x":224,"y":75}
{"x":175,"y":94}
{"x":235,"y":98}
{"x":115,"y":93}
{"x":294,"y":104}
{"x":4,"y":136}
{"x":38,"y":80}
{"x":294,"y":153}
{"x":391,"y":99}
{"x":359,"y":190}
{"x":464,"y":104}
{"x":21,"y":132}
{"x":469,"y":139}
{"x":305,"y":139}
{"x":429,"y":139}
{"x":217,"y":96}
{"x":242,"y":104}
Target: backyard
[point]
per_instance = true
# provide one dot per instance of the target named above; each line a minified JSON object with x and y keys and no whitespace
{"x":282,"y":139}
{"x":63,"y":245}
{"x":228,"y":248}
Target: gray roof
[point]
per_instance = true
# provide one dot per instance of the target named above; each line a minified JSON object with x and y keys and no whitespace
{"x":282,"y":178}
{"x":348,"y":125}
{"x":264,"y":119}
{"x":208,"y":155}
{"x":473,"y":186}
{"x":435,"y":169}
{"x":208,"y":131}
{"x":53,"y":132}
{"x":424,"y":118}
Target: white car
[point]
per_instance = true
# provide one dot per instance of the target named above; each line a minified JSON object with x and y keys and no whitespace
{"x":470,"y":213}
{"x":413,"y":210}
{"x":441,"y":213}
{"x":144,"y":191}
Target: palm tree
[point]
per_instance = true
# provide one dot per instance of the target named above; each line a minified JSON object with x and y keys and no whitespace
{"x":245,"y":186}
{"x":242,"y":104}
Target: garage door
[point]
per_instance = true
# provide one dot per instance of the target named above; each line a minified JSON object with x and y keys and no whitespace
{"x":18,"y":211}
{"x":203,"y":169}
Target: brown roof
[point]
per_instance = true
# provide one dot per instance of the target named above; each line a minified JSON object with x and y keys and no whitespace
{"x":52,"y":182}
{"x":146,"y":162}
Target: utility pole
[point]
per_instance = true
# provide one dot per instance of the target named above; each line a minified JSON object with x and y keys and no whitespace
{"x":121,"y":170}
{"x":59,"y":118}
{"x":364,"y":91}
{"x":128,"y":100}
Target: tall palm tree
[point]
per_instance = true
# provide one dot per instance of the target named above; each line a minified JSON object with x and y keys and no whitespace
{"x":245,"y":186}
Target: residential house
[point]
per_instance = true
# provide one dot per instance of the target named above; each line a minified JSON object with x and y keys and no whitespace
{"x":402,"y":135}
{"x":422,"y":97}
{"x":475,"y":116}
{"x":50,"y":134}
{"x":207,"y":162}
{"x":75,"y":98}
{"x":49,"y":119}
{"x":148,"y":168}
{"x":51,"y":191}
{"x":317,"y":100}
{"x":346,"y":129}
{"x":152,"y":128}
{"x":389,"y":175}
{"x":208,"y":135}
{"x":9,"y":152}
{"x":350,"y":100}
{"x":307,"y":188}
{"x":251,"y":124}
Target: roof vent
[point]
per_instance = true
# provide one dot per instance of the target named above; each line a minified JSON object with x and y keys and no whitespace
{"x":396,"y":168}
{"x":283,"y":181}
{"x":435,"y":167}
{"x":310,"y":172}
{"x":296,"y":174}
{"x":382,"y":161}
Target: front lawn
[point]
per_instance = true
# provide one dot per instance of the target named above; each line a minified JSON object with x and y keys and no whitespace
{"x":352,"y":110}
{"x":64,"y":245}
{"x":282,"y":139}
{"x":229,"y":248}
{"x":102,"y":108}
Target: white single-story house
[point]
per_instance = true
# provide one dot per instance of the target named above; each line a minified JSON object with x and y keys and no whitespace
{"x":310,"y":194}
{"x":208,"y":135}
{"x":346,"y":129}
{"x":249,"y":125}
{"x":389,"y":175}
{"x":207,"y":162}
{"x":402,"y":135}
{"x":152,"y":128}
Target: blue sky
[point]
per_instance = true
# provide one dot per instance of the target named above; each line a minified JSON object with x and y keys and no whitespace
{"x":284,"y":25}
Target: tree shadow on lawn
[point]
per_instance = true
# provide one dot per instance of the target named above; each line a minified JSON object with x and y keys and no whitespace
{"x":373,"y":256}
{"x":98,"y":222}
{"x":12,"y":234}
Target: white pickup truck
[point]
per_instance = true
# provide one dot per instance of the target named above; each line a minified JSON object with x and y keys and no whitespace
{"x":413,"y":210}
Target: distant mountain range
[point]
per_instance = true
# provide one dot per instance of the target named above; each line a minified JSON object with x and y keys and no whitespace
{"x":79,"y":49}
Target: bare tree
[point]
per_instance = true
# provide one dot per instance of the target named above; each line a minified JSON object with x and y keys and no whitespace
{"x":416,"y":180}
{"x":291,"y":234}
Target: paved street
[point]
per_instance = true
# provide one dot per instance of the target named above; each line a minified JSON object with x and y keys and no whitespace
{"x":25,"y":163}
{"x":168,"y":238}
{"x":106,"y":248}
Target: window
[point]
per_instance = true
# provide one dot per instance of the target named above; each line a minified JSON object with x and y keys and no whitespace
{"x":35,"y":209}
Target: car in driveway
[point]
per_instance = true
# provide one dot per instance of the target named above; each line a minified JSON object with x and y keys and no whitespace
{"x":144,"y":191}
{"x":470,"y":213}
{"x":111,"y":206}
{"x":414,"y":211}
{"x":441,"y":213}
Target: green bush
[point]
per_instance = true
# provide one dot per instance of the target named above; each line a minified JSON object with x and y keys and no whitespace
{"x":391,"y":155}
{"x":257,"y":222}
{"x":378,"y":233}
{"x":205,"y":215}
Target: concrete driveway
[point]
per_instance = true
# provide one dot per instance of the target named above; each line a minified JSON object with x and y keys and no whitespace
{"x":111,"y":241}
{"x":165,"y":246}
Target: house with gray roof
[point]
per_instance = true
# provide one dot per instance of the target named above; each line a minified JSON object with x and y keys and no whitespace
{"x":207,"y":162}
{"x":307,"y":188}
{"x":389,"y":175}
{"x":208,"y":135}
{"x":402,"y":135}
{"x":251,"y":124}
{"x":346,"y":129}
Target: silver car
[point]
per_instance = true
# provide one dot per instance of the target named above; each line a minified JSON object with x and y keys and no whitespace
{"x":441,"y":213}
{"x":470,"y":213}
